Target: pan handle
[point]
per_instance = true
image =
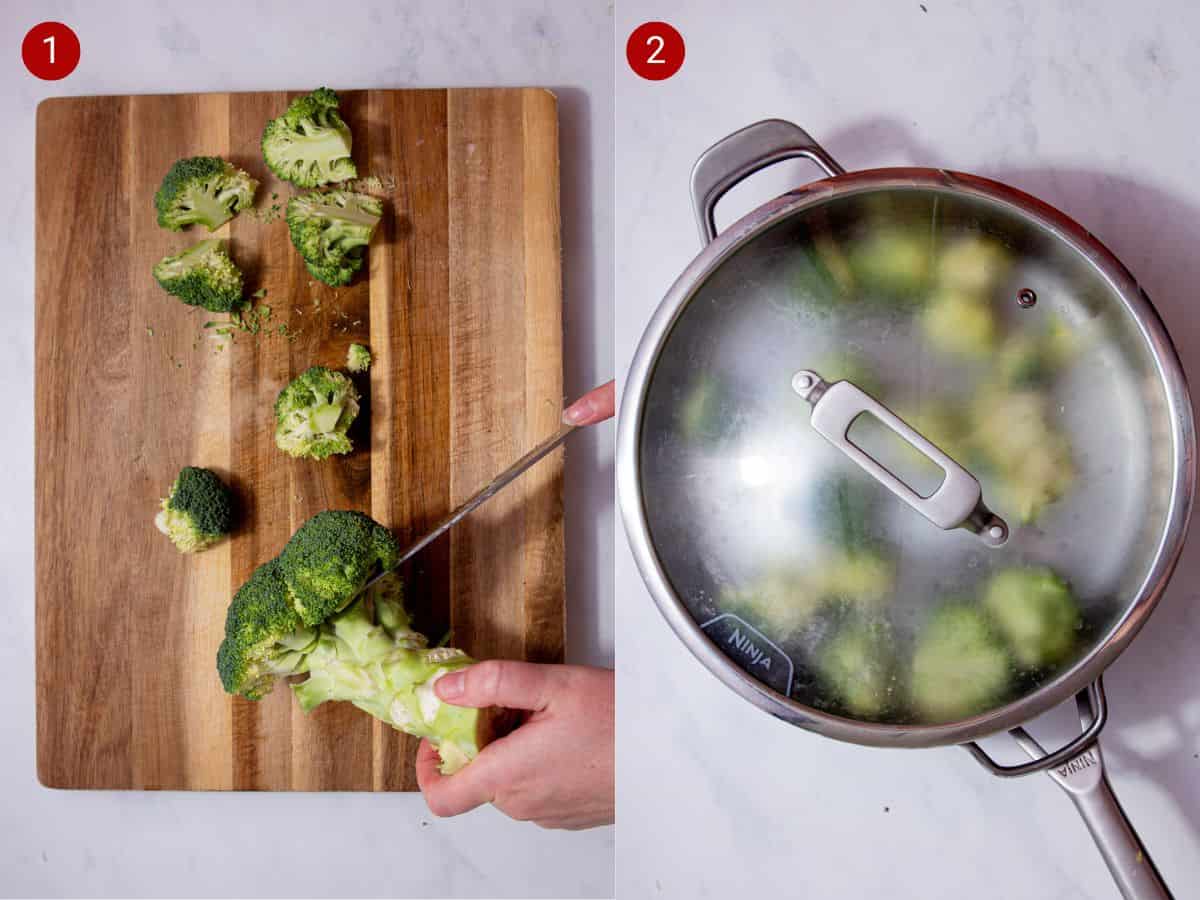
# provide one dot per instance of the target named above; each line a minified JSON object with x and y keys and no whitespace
{"x":740,"y":155}
{"x":1082,"y":776}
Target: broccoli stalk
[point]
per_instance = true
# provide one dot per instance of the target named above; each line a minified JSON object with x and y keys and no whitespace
{"x":331,"y":230}
{"x":314,"y":412}
{"x":203,"y":190}
{"x":302,"y":614}
{"x":309,"y":145}
{"x":202,"y":275}
{"x":358,"y":358}
{"x":197,"y":512}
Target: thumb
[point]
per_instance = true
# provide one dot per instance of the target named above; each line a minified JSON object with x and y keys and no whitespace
{"x":499,"y":682}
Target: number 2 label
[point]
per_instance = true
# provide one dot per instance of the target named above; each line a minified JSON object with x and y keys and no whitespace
{"x":655,"y":51}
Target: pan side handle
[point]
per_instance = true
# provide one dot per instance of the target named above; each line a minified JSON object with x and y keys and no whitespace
{"x":1079,"y":770}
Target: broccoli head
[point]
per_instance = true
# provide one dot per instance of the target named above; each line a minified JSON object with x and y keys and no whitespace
{"x":331,"y":230}
{"x":959,"y":666}
{"x":892,"y":263}
{"x":197,"y":512}
{"x":358,"y":358}
{"x":856,"y":667}
{"x":314,"y":412}
{"x":202,"y":275}
{"x":309,"y":145}
{"x":203,"y":190}
{"x":331,"y":557}
{"x":1036,"y":613}
{"x":303,"y":614}
{"x":264,"y":635}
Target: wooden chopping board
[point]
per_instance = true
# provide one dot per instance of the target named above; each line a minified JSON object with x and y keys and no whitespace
{"x":461,"y":307}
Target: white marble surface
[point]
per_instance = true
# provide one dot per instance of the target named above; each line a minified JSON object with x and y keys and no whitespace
{"x":55,"y":843}
{"x":1091,"y":106}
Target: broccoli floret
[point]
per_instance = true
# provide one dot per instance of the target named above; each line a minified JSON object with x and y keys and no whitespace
{"x":203,"y":190}
{"x":309,"y":145}
{"x":358,"y":358}
{"x":1032,"y":358}
{"x":974,"y":265}
{"x":314,"y":412}
{"x":892,"y":263}
{"x":367,"y":653}
{"x":197,"y":512}
{"x":331,"y":230}
{"x":959,"y":665}
{"x":706,"y":415}
{"x":1014,"y":433}
{"x":331,"y":557}
{"x":1036,"y":613}
{"x":959,"y":323}
{"x":856,"y":667}
{"x":202,"y":275}
{"x":264,"y":636}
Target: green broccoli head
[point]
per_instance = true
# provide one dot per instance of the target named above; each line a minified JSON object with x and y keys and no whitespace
{"x":892,"y":263}
{"x":959,"y":666}
{"x":1036,"y":613}
{"x":197,"y":512}
{"x":309,"y":145}
{"x":331,"y":557}
{"x":202,"y":275}
{"x":358,"y":358}
{"x":264,"y":636}
{"x":856,"y":666}
{"x":203,"y":190}
{"x":314,"y":412}
{"x":331,"y":230}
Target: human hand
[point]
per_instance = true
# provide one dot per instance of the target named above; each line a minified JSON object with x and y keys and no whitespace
{"x":594,"y":406}
{"x":555,"y":769}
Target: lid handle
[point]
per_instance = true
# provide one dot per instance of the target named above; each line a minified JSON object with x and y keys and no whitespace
{"x":740,"y":155}
{"x":958,"y":501}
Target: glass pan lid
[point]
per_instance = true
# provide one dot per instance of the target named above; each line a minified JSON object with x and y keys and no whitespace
{"x":992,"y":339}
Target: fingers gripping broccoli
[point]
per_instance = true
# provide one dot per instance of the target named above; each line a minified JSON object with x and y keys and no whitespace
{"x":314,"y":412}
{"x":197,"y":512}
{"x":298,"y":614}
{"x":358,"y":358}
{"x":309,"y":145}
{"x":203,"y":190}
{"x":331,"y":230}
{"x":202,"y":275}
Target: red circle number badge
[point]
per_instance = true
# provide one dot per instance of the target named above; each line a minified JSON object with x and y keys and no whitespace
{"x":50,"y":51}
{"x":655,"y":51}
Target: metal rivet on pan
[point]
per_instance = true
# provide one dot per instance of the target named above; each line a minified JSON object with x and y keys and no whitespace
{"x":1026,"y":298}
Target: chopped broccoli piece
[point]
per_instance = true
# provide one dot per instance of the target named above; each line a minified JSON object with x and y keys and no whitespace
{"x":202,"y":275}
{"x":197,"y":512}
{"x":203,"y":190}
{"x":1036,"y":613}
{"x":1031,"y":358}
{"x":959,"y":665}
{"x":706,"y":415}
{"x":845,"y":509}
{"x":358,"y":358}
{"x":362,"y":650}
{"x":309,"y":145}
{"x":331,"y":557}
{"x":974,"y":265}
{"x":331,"y":230}
{"x":959,"y":323}
{"x":314,"y":412}
{"x":856,"y":667}
{"x":846,"y":364}
{"x":1015,"y":435}
{"x":891,"y":263}
{"x":264,"y":636}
